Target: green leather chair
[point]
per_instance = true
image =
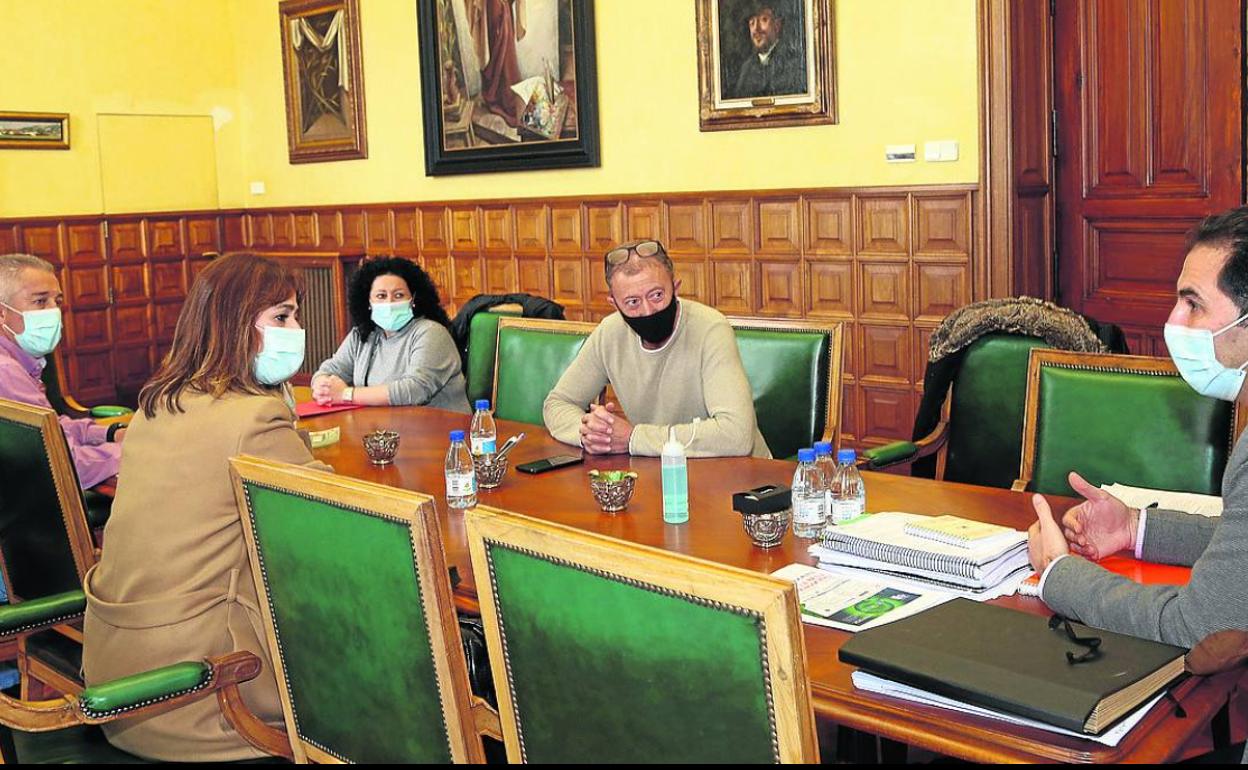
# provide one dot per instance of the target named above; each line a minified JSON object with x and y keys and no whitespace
{"x":482,"y":347}
{"x":794,"y":369}
{"x":1121,"y":419}
{"x":356,"y":599}
{"x":982,"y":436}
{"x":606,"y":651}
{"x":532,"y":355}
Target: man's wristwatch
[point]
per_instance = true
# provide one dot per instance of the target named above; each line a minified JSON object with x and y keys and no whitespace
{"x":348,"y":394}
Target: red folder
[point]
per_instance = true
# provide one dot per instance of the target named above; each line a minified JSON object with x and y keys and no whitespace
{"x":313,"y":409}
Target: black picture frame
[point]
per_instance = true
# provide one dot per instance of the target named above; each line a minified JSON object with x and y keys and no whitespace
{"x":579,"y":152}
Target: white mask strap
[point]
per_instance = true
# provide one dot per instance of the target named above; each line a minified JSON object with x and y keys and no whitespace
{"x":1236,"y":322}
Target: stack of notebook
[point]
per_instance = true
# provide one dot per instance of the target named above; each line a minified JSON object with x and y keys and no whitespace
{"x":943,"y":551}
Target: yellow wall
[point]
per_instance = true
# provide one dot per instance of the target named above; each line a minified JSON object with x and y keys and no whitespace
{"x":906,"y":74}
{"x":91,"y":57}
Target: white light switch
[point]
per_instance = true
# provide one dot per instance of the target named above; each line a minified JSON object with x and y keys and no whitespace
{"x":948,"y":150}
{"x":931,"y":151}
{"x":257,"y":188}
{"x":899,"y":153}
{"x":941,"y":151}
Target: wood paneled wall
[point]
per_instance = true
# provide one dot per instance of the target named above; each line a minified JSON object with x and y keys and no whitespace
{"x":888,"y":262}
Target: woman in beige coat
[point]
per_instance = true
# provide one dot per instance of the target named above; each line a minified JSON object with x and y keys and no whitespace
{"x":174,"y":582}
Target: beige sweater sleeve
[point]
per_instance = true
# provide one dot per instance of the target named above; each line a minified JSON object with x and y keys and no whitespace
{"x":580,"y":384}
{"x":729,"y":430}
{"x":272,"y":435}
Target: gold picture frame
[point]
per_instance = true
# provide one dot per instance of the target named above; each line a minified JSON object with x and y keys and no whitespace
{"x":765,"y":63}
{"x":34,"y":131}
{"x":324,"y":82}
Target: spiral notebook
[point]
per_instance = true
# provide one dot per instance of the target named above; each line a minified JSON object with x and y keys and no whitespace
{"x":955,"y":530}
{"x":881,"y":541}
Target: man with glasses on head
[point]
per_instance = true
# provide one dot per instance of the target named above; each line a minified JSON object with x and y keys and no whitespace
{"x":673,"y":363}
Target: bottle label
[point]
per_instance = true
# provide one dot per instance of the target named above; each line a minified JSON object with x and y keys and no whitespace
{"x":808,"y":511}
{"x":844,"y":510}
{"x":460,"y":484}
{"x":483,"y":446}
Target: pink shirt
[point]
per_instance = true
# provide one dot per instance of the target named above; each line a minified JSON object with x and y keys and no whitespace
{"x":20,"y":372}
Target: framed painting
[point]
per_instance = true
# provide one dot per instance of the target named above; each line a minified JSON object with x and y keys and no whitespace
{"x":34,"y":131}
{"x":508,"y":85}
{"x":324,"y":80}
{"x":765,"y":63}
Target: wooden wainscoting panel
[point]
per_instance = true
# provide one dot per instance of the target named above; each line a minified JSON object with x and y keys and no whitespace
{"x":885,"y":290}
{"x":439,"y":269}
{"x":43,"y":241}
{"x":9,"y":238}
{"x":850,"y":336}
{"x":595,"y":282}
{"x":644,"y":220}
{"x":465,"y":230}
{"x":532,"y":228}
{"x":133,"y":365}
{"x":168,"y":280}
{"x":939,"y":289}
{"x":603,"y":227}
{"x":305,"y":230}
{"x":233,"y":232}
{"x":851,"y":407}
{"x":565,"y":229}
{"x":86,"y":287}
{"x":165,"y":319}
{"x":942,"y":226}
{"x":284,"y":230}
{"x":887,"y":412}
{"x":164,"y":239}
{"x":496,"y":228}
{"x":406,"y":230}
{"x":780,"y":288}
{"x":885,"y":353}
{"x":193,"y":268}
{"x":830,"y":289}
{"x":533,"y":276}
{"x":830,"y":226}
{"x":379,"y":230}
{"x":89,"y":330}
{"x":130,"y":324}
{"x":125,"y":240}
{"x":731,"y":230}
{"x":568,"y":283}
{"x":466,"y":276}
{"x":260,"y":230}
{"x":434,"y":231}
{"x":130,"y":283}
{"x":884,"y":225}
{"x":201,"y":235}
{"x":500,"y":275}
{"x":354,"y":232}
{"x":686,"y":227}
{"x":692,"y":274}
{"x":329,"y":229}
{"x":92,"y":374}
{"x":922,"y":344}
{"x":85,"y":244}
{"x":779,"y":226}
{"x":734,"y":286}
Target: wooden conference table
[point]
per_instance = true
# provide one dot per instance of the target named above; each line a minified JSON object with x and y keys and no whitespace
{"x":714,"y":533}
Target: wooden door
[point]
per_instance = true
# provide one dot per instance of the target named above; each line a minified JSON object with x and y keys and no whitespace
{"x":1148,"y":101}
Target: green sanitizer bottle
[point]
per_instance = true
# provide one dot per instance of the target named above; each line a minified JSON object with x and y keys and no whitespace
{"x":675,"y":481}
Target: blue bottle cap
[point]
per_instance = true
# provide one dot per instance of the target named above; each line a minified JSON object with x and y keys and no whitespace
{"x":457,"y":435}
{"x":805,"y":455}
{"x":823,"y":448}
{"x":483,"y":403}
{"x":846,"y":456}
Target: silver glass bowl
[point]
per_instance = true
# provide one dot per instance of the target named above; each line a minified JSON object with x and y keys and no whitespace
{"x":766,"y":530}
{"x":381,"y":446}
{"x":612,"y":496}
{"x":489,"y":469}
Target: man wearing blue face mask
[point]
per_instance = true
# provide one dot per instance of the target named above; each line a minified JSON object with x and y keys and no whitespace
{"x":30,"y":329}
{"x":1207,"y":334}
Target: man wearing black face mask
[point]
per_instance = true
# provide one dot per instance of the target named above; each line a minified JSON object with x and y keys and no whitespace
{"x":671,"y":361}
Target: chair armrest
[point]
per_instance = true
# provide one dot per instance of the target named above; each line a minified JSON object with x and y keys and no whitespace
{"x":901,"y":452}
{"x":42,"y":612}
{"x":486,"y":719}
{"x":1019,"y":485}
{"x":260,"y":734}
{"x":136,"y":690}
{"x":104,"y":412}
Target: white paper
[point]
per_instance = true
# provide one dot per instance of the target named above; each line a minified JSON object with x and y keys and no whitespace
{"x":1111,"y":737}
{"x":1007,"y":587}
{"x":1188,"y":502}
{"x":864,"y":603}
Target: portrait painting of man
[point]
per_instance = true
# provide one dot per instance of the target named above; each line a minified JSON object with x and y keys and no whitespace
{"x":763,"y":49}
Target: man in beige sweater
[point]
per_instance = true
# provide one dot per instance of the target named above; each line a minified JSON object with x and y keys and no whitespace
{"x":673,"y":364}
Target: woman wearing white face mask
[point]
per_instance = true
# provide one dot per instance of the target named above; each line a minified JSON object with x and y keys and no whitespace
{"x":400,"y":351}
{"x":174,"y":583}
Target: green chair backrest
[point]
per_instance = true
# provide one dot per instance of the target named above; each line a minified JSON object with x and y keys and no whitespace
{"x":986,"y":412}
{"x":532,"y":355}
{"x":482,"y":344}
{"x":1123,"y":419}
{"x":45,"y":547}
{"x":615,"y":653}
{"x":792,"y":372}
{"x":361,"y":627}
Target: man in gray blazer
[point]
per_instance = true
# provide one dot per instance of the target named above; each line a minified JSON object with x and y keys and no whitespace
{"x":1207,"y":335}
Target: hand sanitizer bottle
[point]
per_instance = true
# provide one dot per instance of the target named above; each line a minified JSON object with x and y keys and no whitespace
{"x":675,"y":481}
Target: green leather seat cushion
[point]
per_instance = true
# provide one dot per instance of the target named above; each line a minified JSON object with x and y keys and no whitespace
{"x":788,"y":372}
{"x":45,"y":609}
{"x":607,"y":671}
{"x":482,"y":344}
{"x":530,"y":363}
{"x":985,"y":444}
{"x":1137,"y":429}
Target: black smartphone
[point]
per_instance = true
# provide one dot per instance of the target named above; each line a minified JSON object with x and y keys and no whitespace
{"x":549,"y":463}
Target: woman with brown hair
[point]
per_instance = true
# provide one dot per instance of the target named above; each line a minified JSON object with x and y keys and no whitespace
{"x":174,"y":583}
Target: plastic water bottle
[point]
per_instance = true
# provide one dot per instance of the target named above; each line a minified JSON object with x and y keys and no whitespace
{"x":675,"y":481}
{"x":461,"y":480}
{"x":826,"y":464}
{"x":849,"y":493}
{"x":482,"y":431}
{"x":809,"y":496}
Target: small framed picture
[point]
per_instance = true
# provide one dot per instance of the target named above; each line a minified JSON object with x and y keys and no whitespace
{"x":765,"y":63}
{"x":324,"y":80}
{"x":34,"y":131}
